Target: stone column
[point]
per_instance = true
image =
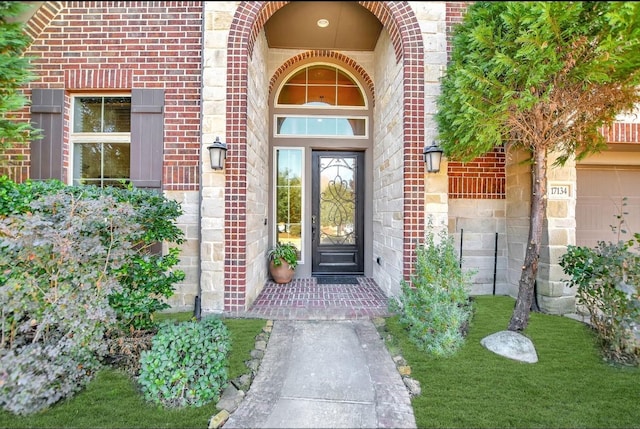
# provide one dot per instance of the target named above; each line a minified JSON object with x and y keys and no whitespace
{"x":553,"y":295}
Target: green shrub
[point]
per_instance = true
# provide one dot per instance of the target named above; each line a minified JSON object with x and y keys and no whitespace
{"x":56,"y":265}
{"x":435,"y":307}
{"x":607,"y":278}
{"x":77,"y":268}
{"x":16,"y":198}
{"x":147,"y":277}
{"x":187,"y":364}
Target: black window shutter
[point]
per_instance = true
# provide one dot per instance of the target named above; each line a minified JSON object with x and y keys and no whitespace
{"x":147,"y":138}
{"x":46,"y":114}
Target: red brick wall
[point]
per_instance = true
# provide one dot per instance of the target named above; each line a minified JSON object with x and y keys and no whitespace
{"x":622,"y":132}
{"x":482,"y":178}
{"x":118,"y":45}
{"x":454,"y":13}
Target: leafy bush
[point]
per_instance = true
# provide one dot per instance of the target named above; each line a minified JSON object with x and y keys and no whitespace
{"x":435,"y":307}
{"x":607,"y":278}
{"x":187,"y":364}
{"x":147,"y":277}
{"x":77,"y":269}
{"x":55,"y":282}
{"x":16,"y":198}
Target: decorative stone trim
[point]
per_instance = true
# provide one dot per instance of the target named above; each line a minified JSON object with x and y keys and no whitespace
{"x":235,"y":392}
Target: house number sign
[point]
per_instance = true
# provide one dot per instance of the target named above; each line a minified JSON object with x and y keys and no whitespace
{"x":558,"y":191}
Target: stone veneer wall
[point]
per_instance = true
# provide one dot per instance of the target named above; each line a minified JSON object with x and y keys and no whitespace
{"x":518,"y":190}
{"x":186,"y":291}
{"x":388,"y":216}
{"x":389,"y":175}
{"x":554,"y":296}
{"x":258,"y":179}
{"x":217,"y":22}
{"x":476,"y":222}
{"x":433,"y":23}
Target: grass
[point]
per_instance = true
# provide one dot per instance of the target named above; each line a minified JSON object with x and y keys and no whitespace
{"x":569,"y":387}
{"x":112,"y":398}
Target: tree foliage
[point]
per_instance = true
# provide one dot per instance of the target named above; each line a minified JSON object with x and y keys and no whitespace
{"x":539,"y":75}
{"x":543,"y":77}
{"x":15,"y":72}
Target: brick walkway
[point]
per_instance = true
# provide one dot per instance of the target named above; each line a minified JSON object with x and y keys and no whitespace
{"x":305,"y":299}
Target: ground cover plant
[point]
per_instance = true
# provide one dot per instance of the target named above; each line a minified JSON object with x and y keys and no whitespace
{"x":186,"y":364}
{"x":113,"y":399}
{"x":570,"y":386}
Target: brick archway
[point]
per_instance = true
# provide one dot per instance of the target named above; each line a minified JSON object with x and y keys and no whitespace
{"x":249,"y":19}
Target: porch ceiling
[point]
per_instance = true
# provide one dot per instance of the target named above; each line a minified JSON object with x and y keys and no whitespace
{"x":351,"y":26}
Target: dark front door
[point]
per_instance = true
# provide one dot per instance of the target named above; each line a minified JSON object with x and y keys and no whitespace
{"x":337,"y":213}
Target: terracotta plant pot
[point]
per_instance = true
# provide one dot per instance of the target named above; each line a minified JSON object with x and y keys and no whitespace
{"x":281,"y":274}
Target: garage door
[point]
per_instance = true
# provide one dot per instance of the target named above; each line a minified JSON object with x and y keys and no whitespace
{"x":600,"y":190}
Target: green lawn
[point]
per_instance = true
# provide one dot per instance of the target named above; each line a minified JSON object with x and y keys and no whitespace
{"x":570,"y":386}
{"x":112,"y":399}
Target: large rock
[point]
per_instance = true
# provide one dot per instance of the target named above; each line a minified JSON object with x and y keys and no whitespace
{"x":512,"y":345}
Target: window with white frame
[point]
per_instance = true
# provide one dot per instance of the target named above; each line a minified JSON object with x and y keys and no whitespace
{"x":101,"y":140}
{"x":334,"y":96}
{"x":289,"y":201}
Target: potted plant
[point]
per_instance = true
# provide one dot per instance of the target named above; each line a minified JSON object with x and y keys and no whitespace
{"x":283,"y":260}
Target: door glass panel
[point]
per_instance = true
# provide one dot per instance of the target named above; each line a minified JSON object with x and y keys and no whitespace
{"x":337,"y":200}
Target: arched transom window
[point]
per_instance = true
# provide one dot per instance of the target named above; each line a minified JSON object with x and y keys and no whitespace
{"x":329,"y":90}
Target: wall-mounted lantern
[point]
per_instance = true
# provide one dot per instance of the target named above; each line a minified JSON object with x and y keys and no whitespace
{"x":432,"y":157}
{"x":217,"y":154}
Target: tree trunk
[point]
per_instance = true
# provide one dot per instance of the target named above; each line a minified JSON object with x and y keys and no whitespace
{"x":520,"y":316}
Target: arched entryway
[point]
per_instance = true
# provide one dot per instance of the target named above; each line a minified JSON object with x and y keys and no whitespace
{"x":406,"y":41}
{"x":321,"y":157}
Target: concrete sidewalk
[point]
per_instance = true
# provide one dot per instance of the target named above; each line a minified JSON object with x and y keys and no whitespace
{"x":325,"y":374}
